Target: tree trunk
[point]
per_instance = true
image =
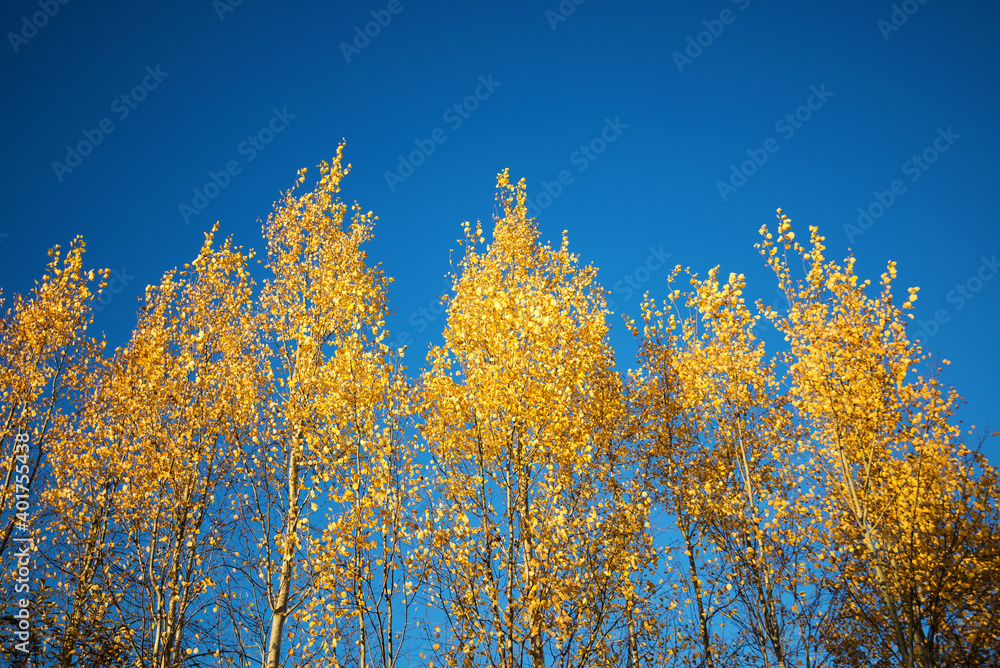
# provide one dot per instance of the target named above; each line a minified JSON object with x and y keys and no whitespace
{"x":289,"y":545}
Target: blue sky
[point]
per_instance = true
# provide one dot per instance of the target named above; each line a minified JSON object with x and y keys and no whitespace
{"x":642,"y":109}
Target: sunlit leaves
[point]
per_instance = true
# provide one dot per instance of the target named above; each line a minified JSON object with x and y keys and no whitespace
{"x":254,"y":479}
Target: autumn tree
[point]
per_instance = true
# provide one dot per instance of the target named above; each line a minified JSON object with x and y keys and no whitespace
{"x":365,"y":587}
{"x":531,"y":556}
{"x":255,"y":479}
{"x":144,"y":490}
{"x":725,"y":465}
{"x":330,"y":433}
{"x":46,"y":357}
{"x":910,"y":509}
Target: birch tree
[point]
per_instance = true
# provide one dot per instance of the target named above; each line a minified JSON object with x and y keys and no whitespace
{"x":529,"y":552}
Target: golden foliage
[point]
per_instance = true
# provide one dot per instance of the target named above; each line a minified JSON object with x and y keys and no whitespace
{"x":254,"y":479}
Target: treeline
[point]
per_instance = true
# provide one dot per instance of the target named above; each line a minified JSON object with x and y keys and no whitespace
{"x":257,"y":480}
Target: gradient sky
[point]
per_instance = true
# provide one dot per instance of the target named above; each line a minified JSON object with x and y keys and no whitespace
{"x":676,"y":117}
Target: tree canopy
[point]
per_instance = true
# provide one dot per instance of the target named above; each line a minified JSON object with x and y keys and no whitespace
{"x":257,"y":478}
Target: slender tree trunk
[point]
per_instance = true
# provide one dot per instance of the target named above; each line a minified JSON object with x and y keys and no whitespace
{"x":508,"y":648}
{"x":536,"y":645}
{"x":387,"y":648}
{"x":97,"y":533}
{"x":359,"y":604}
{"x":170,"y":621}
{"x":861,"y":517}
{"x":633,"y":645}
{"x":289,"y":546}
{"x":706,"y":642}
